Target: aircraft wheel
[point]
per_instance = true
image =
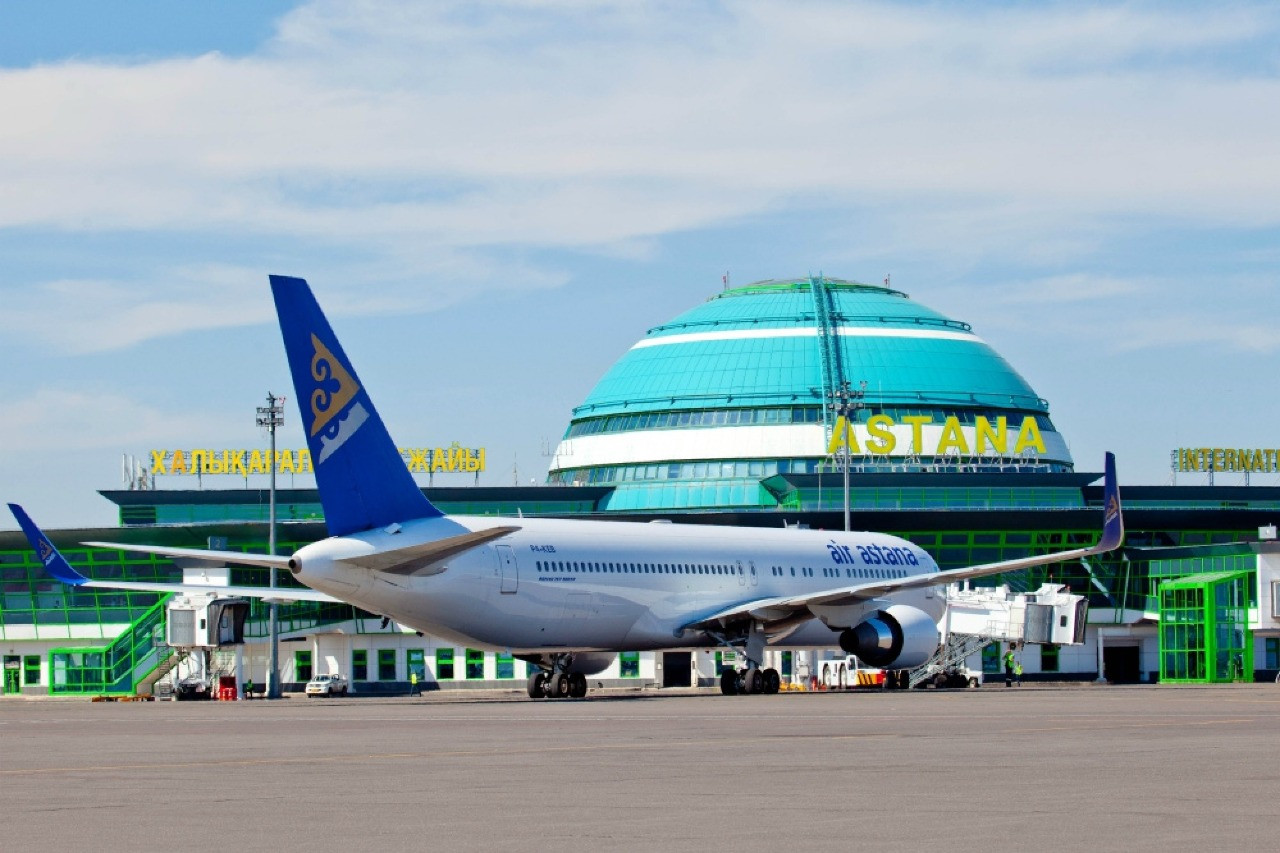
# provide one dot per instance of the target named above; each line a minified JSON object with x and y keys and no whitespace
{"x":974,"y":682}
{"x":751,"y":681}
{"x":577,"y":686}
{"x":772,"y":681}
{"x":537,"y":685}
{"x":558,"y":686}
{"x":729,"y":682}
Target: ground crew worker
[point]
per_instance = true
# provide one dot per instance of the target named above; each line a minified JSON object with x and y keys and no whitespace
{"x":413,"y":685}
{"x":248,"y":688}
{"x":1009,"y":663}
{"x":1017,"y":671}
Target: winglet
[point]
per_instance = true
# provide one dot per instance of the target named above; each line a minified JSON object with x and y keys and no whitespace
{"x":54,"y":563}
{"x":1113,"y":517}
{"x":362,"y":478}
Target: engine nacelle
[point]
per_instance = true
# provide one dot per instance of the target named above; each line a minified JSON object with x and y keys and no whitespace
{"x":898,"y":637}
{"x":589,"y":663}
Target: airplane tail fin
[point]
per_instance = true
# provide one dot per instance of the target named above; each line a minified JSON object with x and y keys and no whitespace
{"x":1112,"y":516}
{"x":54,"y":563}
{"x":363,"y":480}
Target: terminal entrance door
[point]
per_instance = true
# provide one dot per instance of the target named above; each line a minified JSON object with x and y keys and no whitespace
{"x":1122,"y":664}
{"x":677,"y":669}
{"x":12,"y":675}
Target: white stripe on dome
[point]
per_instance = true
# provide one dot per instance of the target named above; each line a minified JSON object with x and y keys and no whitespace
{"x":807,"y":332}
{"x":758,"y":441}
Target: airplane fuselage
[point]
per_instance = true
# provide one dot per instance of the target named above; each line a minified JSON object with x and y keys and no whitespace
{"x":559,"y":584}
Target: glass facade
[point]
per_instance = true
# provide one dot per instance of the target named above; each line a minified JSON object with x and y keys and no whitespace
{"x":1204,"y":628}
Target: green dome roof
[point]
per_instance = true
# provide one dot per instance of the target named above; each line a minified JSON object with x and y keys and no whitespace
{"x":741,"y":387}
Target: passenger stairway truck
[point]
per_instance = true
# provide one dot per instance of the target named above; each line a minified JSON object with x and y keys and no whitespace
{"x":976,"y":617}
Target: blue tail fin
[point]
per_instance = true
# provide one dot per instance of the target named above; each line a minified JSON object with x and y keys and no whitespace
{"x":1112,"y":515}
{"x":54,"y":563}
{"x":363,"y":481}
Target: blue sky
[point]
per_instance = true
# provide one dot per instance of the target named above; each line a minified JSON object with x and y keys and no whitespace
{"x":493,"y":200}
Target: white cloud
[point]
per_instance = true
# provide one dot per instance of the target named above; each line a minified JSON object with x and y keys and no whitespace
{"x":427,"y":137}
{"x":66,"y":420}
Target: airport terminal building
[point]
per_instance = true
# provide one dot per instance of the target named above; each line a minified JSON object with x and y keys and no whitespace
{"x":749,"y":409}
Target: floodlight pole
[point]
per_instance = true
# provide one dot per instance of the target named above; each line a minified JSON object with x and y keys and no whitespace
{"x":846,"y":401}
{"x":272,"y":416}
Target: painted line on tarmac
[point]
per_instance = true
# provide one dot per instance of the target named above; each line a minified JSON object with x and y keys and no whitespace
{"x":459,"y":753}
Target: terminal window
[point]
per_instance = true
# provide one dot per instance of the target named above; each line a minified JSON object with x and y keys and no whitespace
{"x":415,"y":661}
{"x":444,"y":664}
{"x":359,"y":664}
{"x":1273,"y":652}
{"x":302,"y":666}
{"x":505,"y":665}
{"x":31,"y":667}
{"x":629,"y":664}
{"x":475,"y":664}
{"x":386,"y":664}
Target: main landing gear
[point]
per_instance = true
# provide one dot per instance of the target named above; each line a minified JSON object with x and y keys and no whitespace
{"x":753,"y":679}
{"x":557,"y":684}
{"x":734,"y":682}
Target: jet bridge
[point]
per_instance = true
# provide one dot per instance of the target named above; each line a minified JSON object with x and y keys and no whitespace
{"x":976,"y":617}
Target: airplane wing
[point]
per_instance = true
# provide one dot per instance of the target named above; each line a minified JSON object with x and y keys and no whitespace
{"x":783,"y":608}
{"x":57,"y":565}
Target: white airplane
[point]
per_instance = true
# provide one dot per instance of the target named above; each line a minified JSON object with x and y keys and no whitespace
{"x":568,"y":595}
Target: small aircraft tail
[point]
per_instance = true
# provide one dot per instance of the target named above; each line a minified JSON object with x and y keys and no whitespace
{"x":363,"y":481}
{"x":54,"y":563}
{"x":1112,"y":517}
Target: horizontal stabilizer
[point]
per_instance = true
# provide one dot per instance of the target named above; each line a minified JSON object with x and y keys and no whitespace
{"x":235,"y":558}
{"x":423,"y":559}
{"x":57,"y":565}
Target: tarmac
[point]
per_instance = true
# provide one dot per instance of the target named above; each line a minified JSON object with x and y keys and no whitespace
{"x":1039,"y":767}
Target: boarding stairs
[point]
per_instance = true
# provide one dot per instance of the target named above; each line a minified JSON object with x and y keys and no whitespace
{"x":952,"y":653}
{"x":976,"y":617}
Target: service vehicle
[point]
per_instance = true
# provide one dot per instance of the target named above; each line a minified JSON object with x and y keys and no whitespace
{"x":841,"y":673}
{"x":327,"y":685}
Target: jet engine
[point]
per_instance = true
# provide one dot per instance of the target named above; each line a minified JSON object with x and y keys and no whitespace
{"x":590,"y":663}
{"x":898,"y":637}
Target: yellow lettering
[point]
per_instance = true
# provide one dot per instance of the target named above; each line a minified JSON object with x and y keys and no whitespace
{"x":1029,"y":436}
{"x":157,"y":461}
{"x":418,"y":460}
{"x":952,"y":437}
{"x":284,"y":462}
{"x":178,"y":465}
{"x":215,"y":464}
{"x":997,"y":437}
{"x":257,"y":462}
{"x":304,"y":461}
{"x":234,"y":460}
{"x":881,"y":427}
{"x":843,"y":436}
{"x":439,"y":462}
{"x":917,"y":434}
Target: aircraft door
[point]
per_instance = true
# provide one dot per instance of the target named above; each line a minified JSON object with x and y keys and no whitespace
{"x":741,"y":573}
{"x":507,"y":569}
{"x":751,"y":571}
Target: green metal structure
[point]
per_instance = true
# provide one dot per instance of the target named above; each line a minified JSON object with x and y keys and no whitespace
{"x":1204,"y":629}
